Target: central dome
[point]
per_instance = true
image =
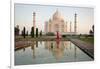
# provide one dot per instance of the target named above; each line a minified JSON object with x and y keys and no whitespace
{"x":57,"y":15}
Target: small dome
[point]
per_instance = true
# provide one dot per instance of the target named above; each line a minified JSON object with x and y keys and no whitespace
{"x":49,"y":20}
{"x":46,"y":21}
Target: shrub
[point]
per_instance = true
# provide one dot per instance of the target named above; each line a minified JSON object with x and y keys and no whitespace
{"x":41,"y":33}
{"x":63,"y":35}
{"x":50,"y":34}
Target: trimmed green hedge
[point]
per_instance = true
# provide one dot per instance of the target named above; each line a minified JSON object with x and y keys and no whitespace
{"x":50,"y":34}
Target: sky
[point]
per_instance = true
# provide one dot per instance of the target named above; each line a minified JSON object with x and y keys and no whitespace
{"x":23,"y":16}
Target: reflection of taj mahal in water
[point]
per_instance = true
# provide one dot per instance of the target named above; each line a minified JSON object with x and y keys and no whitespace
{"x":57,"y":49}
{"x":57,"y":23}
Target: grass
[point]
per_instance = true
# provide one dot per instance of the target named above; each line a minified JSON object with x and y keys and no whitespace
{"x":88,"y":39}
{"x":83,"y":38}
{"x":44,"y":38}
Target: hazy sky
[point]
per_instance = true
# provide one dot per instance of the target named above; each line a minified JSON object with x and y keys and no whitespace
{"x":23,"y":16}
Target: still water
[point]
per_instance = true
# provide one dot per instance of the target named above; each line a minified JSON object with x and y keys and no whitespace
{"x":40,"y":52}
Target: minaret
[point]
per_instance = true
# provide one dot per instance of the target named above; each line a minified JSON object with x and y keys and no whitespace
{"x":34,"y":14}
{"x":66,"y":27}
{"x":75,"y":25}
{"x":70,"y":26}
{"x":46,"y":26}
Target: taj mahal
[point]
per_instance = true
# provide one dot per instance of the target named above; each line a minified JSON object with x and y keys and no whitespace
{"x":57,"y":23}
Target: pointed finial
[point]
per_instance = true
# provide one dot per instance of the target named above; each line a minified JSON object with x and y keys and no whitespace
{"x":34,"y":13}
{"x":75,"y":14}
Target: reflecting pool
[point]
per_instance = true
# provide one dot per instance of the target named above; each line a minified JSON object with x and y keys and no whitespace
{"x":39,"y":52}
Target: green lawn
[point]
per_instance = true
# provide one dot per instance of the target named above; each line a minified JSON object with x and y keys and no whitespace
{"x":88,"y":39}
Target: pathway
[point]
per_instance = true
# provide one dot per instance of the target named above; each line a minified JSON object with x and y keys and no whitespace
{"x":87,"y":48}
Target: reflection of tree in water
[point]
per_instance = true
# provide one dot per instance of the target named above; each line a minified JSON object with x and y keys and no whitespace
{"x":51,"y":45}
{"x":75,"y":49}
{"x":23,"y":49}
{"x":41,"y":42}
{"x":36,"y":43}
{"x":70,"y":45}
{"x":33,"y":49}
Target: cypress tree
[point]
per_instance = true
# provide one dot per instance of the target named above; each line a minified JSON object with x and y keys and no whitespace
{"x":32,"y":32}
{"x":41,"y":33}
{"x":27,"y":33}
{"x":36,"y":32}
{"x":24,"y":32}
